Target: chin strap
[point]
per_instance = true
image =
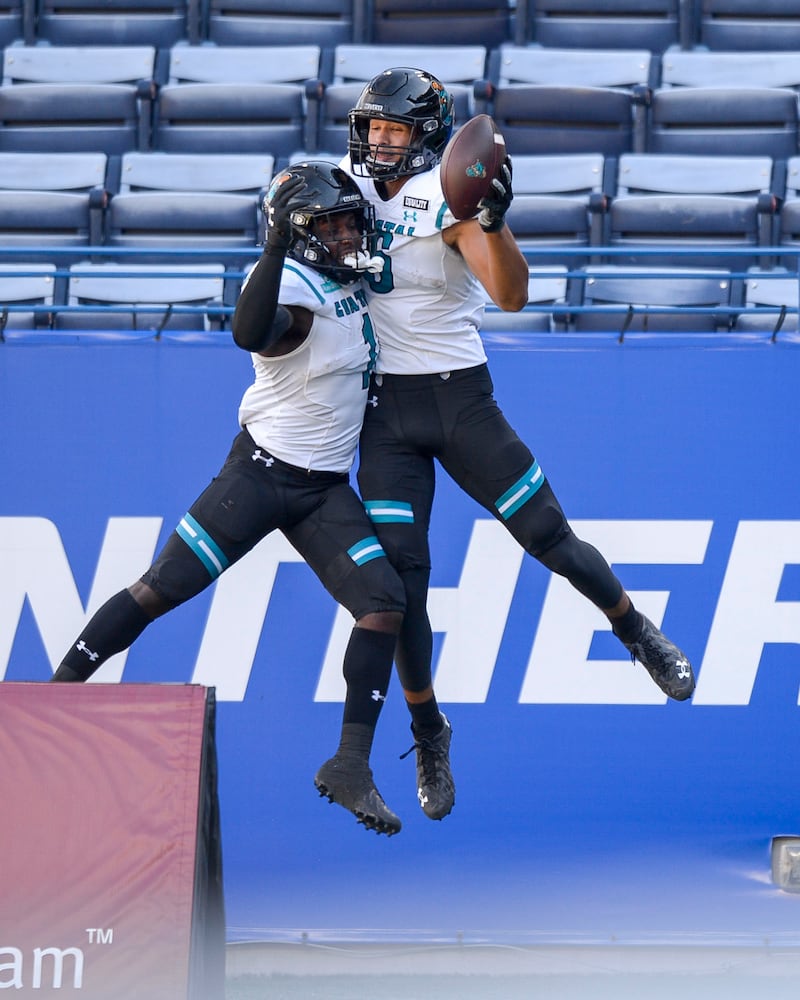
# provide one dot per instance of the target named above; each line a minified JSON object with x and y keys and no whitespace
{"x":361,"y":261}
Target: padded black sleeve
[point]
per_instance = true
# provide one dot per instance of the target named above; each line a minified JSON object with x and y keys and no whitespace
{"x":258,"y":320}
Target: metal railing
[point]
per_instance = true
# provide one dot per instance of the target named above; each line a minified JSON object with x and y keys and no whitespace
{"x":214,"y":316}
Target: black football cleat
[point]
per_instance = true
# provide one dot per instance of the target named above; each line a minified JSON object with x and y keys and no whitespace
{"x":436,"y":789}
{"x":347,"y":780}
{"x":666,"y":664}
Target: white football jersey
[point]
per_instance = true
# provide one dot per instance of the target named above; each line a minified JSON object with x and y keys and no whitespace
{"x":427,"y":306}
{"x":306,"y":408}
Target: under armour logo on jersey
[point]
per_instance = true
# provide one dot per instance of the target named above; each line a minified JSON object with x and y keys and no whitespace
{"x":85,"y":649}
{"x":372,"y":401}
{"x":258,"y":456}
{"x":409,"y":216}
{"x":377,"y":696}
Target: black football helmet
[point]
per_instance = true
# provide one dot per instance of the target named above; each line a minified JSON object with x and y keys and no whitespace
{"x":410,"y":96}
{"x":328,"y":191}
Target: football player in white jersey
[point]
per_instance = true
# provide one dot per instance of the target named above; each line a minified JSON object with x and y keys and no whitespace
{"x":303,"y":316}
{"x":432,"y":396}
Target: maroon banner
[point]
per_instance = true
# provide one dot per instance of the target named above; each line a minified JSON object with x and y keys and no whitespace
{"x":99,"y":791}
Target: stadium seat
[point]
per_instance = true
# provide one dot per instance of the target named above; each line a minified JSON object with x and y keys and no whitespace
{"x":542,"y":119}
{"x":21,"y":286}
{"x":457,"y":66}
{"x":73,"y":99}
{"x":284,"y":22}
{"x":757,"y":25}
{"x":642,"y":299}
{"x":241,"y":99}
{"x":203,"y":201}
{"x":144,"y":297}
{"x":51,"y":201}
{"x":723,"y":121}
{"x":568,"y":100}
{"x":682,"y":202}
{"x":452,"y":64}
{"x":559,"y":202}
{"x":604,"y":24}
{"x":774,"y":295}
{"x":701,"y":68}
{"x":547,"y":286}
{"x":623,"y":68}
{"x":16,"y":22}
{"x":245,"y":173}
{"x":445,"y":22}
{"x":160,"y":23}
{"x":789,"y":213}
{"x":183,"y":219}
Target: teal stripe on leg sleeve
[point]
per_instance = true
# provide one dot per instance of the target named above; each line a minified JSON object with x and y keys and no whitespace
{"x":389,"y":511}
{"x":203,"y":545}
{"x":521,"y":492}
{"x":366,"y":550}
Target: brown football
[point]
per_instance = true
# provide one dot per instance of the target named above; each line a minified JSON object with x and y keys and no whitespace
{"x":471,"y":160}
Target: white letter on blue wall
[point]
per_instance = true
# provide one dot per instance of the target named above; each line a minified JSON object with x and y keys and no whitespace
{"x":559,"y":669}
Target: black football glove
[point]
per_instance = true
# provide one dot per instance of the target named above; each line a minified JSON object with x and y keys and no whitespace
{"x":277,"y":210}
{"x":495,"y":204}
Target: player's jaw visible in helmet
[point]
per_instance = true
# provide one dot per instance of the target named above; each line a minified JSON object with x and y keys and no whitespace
{"x":338,"y":243}
{"x":389,"y":142}
{"x":341,"y":233}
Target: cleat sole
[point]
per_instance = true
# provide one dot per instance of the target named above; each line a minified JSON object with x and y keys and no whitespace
{"x":388,"y":825}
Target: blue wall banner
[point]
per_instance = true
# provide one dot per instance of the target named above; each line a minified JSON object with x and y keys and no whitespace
{"x":588,"y":806}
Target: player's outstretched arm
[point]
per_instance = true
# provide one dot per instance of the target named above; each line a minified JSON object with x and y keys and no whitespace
{"x":489,"y":247}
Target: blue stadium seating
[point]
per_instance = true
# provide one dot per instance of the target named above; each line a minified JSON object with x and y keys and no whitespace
{"x":741,"y":25}
{"x":542,"y":118}
{"x":559,"y":202}
{"x":242,"y":99}
{"x":446,"y":22}
{"x":645,"y":299}
{"x":622,"y":68}
{"x":596,"y":105}
{"x":547,"y":287}
{"x":53,"y":201}
{"x":72,"y":99}
{"x":16,"y":21}
{"x":112,"y":296}
{"x":605,"y":24}
{"x":160,"y":23}
{"x":772,"y":300}
{"x":23,"y":286}
{"x":703,"y":68}
{"x":192,"y":200}
{"x":723,"y":121}
{"x":283,"y":22}
{"x":710,"y":202}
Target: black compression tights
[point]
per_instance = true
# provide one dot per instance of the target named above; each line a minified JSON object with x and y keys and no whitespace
{"x":415,"y":642}
{"x":111,"y":629}
{"x":586,"y":570}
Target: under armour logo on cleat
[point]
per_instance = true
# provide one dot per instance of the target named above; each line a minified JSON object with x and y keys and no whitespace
{"x":85,"y":649}
{"x":683,"y":669}
{"x":423,"y":798}
{"x":257,"y":456}
{"x":377,"y":696}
